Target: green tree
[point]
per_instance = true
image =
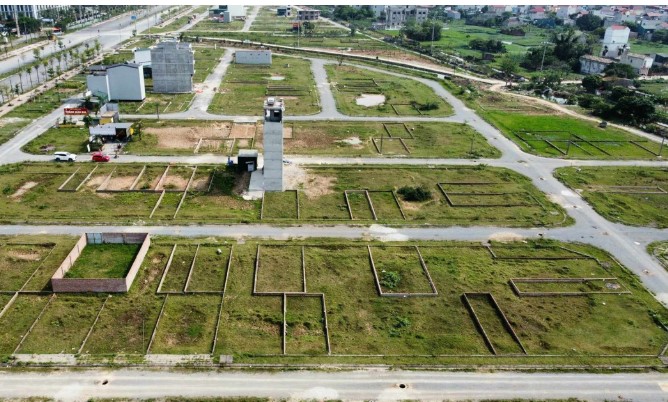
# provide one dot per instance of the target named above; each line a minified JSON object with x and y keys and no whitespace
{"x":620,"y":70}
{"x":591,"y":83}
{"x":424,"y":31}
{"x":639,"y":108}
{"x":509,"y":66}
{"x":589,"y":22}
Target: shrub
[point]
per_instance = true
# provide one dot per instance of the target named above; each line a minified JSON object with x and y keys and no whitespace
{"x":390,"y":279}
{"x":418,"y":193}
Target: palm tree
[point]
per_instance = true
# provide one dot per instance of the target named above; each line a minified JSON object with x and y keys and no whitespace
{"x":35,"y":68}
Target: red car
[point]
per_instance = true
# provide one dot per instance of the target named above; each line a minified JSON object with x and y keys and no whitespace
{"x":100,"y":157}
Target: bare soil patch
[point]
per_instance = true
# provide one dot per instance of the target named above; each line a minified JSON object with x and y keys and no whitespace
{"x":243,"y":130}
{"x":313,"y":186}
{"x":241,"y":183}
{"x":200,"y":184}
{"x":187,"y":137}
{"x":174,"y":183}
{"x":287,"y":132}
{"x":96,"y":181}
{"x":369,"y":100}
{"x":23,"y":189}
{"x":24,"y":255}
{"x":120,"y":182}
{"x":10,"y":120}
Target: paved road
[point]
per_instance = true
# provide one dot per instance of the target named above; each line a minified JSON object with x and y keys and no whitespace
{"x":251,"y":18}
{"x":379,"y":385}
{"x":109,"y":33}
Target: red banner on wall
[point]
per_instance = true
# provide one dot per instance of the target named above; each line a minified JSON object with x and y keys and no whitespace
{"x":76,"y":111}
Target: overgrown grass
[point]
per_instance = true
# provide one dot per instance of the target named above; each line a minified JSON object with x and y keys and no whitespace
{"x":572,"y":330}
{"x":104,"y":261}
{"x":69,"y":139}
{"x":245,"y":87}
{"x":630,"y":195}
{"x":660,"y":251}
{"x":404,"y":93}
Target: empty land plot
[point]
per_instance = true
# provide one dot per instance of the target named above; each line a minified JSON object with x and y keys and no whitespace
{"x":73,"y":182}
{"x":208,"y":274}
{"x":104,"y":261}
{"x":202,"y":181}
{"x":279,"y":269}
{"x":400,"y":270}
{"x":167,"y":207}
{"x":245,"y":87}
{"x":17,"y":320}
{"x":595,"y":329}
{"x":501,"y":194}
{"x":620,"y":194}
{"x":122,"y":178}
{"x":178,"y":137}
{"x":280,"y":205}
{"x":176,"y":179}
{"x":206,"y":26}
{"x":305,"y":326}
{"x":660,"y":251}
{"x":397,"y":90}
{"x":493,"y":324}
{"x":177,"y":272}
{"x":187,"y":325}
{"x":322,"y":194}
{"x":569,"y":137}
{"x":150,"y":178}
{"x":69,"y":139}
{"x":359,"y":205}
{"x":63,"y":326}
{"x":127,"y":321}
{"x":574,"y":286}
{"x":385,"y":205}
{"x":158,"y":103}
{"x":18,"y":262}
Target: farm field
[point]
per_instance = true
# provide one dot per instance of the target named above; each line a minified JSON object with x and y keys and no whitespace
{"x":635,"y":196}
{"x":550,"y":134}
{"x":245,"y":87}
{"x":399,"y":96}
{"x":458,"y":195}
{"x":536,"y":302}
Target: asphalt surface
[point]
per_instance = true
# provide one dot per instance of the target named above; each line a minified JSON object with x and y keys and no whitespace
{"x":377,"y":385}
{"x":109,"y":33}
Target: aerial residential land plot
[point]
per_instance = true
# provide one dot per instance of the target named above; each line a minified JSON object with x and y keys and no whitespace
{"x":443,"y":140}
{"x":631,"y":195}
{"x":497,"y":303}
{"x":397,"y":96}
{"x":552,"y":134}
{"x":133,"y":193}
{"x":245,"y":87}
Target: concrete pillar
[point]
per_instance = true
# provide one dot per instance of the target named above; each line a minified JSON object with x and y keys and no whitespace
{"x":273,"y":144}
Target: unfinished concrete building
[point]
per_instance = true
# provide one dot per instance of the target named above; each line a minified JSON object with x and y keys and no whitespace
{"x":273,"y":144}
{"x":173,"y":67}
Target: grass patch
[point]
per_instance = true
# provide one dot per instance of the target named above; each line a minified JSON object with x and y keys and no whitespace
{"x":445,"y":140}
{"x":245,"y":87}
{"x":208,"y":274}
{"x":69,"y":139}
{"x":280,"y":269}
{"x":629,"y":195}
{"x":660,"y":251}
{"x":397,"y":91}
{"x":18,"y":262}
{"x":104,"y":261}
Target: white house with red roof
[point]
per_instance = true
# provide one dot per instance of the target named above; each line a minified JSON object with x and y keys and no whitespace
{"x":616,"y":39}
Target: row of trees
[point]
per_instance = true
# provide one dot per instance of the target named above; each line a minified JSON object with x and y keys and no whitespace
{"x":428,"y":30}
{"x":52,"y":66}
{"x":489,"y":46}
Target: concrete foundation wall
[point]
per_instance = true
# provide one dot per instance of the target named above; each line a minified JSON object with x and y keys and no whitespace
{"x":105,"y":285}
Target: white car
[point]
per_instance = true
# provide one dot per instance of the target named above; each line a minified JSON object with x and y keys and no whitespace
{"x":65,"y":157}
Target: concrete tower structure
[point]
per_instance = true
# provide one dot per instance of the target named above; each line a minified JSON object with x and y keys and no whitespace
{"x":273,"y":144}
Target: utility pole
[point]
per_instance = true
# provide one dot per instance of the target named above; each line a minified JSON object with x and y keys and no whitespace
{"x":433,"y":25}
{"x":157,"y":111}
{"x":543,"y":59}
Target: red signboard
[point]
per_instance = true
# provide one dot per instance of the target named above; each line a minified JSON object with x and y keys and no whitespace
{"x":76,"y":111}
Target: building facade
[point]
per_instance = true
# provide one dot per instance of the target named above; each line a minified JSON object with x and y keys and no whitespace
{"x":308,"y":15}
{"x":593,"y":64}
{"x":257,"y":57}
{"x":24,"y":10}
{"x":173,"y":65}
{"x":397,"y":16}
{"x":616,"y":39}
{"x":122,"y":82}
{"x":272,"y":171}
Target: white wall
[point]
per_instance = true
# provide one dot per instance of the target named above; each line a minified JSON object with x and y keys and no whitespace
{"x":142,"y":56}
{"x":252,"y":57}
{"x":97,"y":83}
{"x":126,"y":83}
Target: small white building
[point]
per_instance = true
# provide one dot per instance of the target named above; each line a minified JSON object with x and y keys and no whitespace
{"x":593,"y":65}
{"x":641,"y":63}
{"x":564,"y":12}
{"x":455,"y":15}
{"x":616,"y":39}
{"x":142,"y":56}
{"x":258,"y":57}
{"x":123,"y":82}
{"x":236,"y":10}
